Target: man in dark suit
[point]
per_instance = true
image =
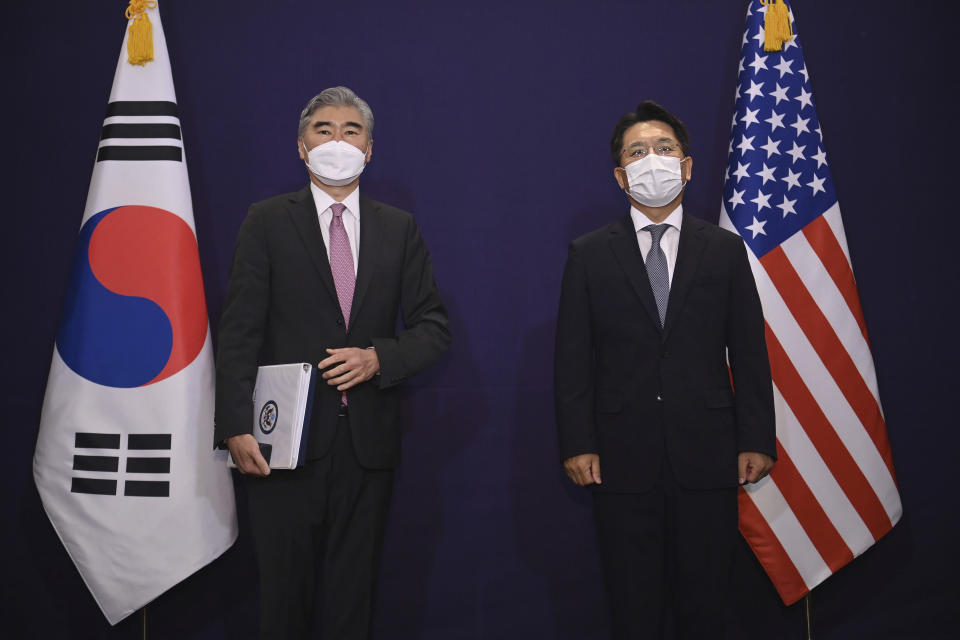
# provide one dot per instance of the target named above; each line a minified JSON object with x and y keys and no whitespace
{"x":321,"y":275}
{"x":653,"y":306}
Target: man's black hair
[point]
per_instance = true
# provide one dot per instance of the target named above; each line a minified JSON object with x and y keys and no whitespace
{"x":647,"y":110}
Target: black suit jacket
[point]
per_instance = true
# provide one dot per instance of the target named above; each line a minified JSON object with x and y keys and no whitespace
{"x":633,"y":392}
{"x":282,"y":307}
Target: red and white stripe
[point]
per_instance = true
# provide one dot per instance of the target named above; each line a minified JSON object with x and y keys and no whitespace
{"x":832,"y":492}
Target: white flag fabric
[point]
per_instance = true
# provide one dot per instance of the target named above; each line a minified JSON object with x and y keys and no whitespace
{"x":124,"y":462}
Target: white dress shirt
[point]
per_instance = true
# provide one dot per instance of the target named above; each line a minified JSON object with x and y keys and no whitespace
{"x":669,"y":242}
{"x":351,"y":219}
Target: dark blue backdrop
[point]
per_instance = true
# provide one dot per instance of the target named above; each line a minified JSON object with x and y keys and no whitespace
{"x":492,"y":127}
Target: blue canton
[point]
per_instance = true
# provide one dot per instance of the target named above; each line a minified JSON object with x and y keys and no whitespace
{"x":778,"y":178}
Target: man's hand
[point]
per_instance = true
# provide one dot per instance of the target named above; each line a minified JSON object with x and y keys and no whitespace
{"x":246,"y":455}
{"x":583,"y":469}
{"x":753,"y":466}
{"x":356,"y":366}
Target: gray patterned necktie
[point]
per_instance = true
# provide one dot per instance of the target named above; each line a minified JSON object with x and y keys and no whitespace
{"x":657,"y":269}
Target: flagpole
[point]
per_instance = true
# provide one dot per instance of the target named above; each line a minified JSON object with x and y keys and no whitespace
{"x":807,"y":616}
{"x":144,"y":612}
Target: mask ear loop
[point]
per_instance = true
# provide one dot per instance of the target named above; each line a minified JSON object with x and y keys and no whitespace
{"x":685,"y":180}
{"x":306,"y":153}
{"x":306,"y":160}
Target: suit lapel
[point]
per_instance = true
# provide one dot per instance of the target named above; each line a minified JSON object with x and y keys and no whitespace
{"x":692,"y":243}
{"x":623,"y":243}
{"x":370,"y":236}
{"x":303,"y":211}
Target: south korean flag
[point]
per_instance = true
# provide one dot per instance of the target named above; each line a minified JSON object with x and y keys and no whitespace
{"x":124,"y":463}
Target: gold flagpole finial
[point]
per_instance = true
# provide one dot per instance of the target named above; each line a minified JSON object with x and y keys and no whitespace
{"x":140,"y":42}
{"x":776,"y":25}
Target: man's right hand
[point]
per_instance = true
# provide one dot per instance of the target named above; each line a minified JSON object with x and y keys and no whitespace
{"x":246,"y":455}
{"x":583,"y":469}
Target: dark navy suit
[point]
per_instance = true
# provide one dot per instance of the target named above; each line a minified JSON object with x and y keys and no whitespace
{"x":659,"y":408}
{"x":282,"y":307}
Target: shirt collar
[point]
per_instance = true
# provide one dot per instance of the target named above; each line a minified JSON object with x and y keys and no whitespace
{"x":323,"y":200}
{"x":640,"y":219}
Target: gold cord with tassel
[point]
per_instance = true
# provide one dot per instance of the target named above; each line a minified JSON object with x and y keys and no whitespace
{"x":140,"y":41}
{"x":776,"y":25}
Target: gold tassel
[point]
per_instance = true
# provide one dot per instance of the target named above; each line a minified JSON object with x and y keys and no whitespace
{"x":140,"y":40}
{"x":776,"y":25}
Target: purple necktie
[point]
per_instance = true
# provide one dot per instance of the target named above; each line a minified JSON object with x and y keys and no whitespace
{"x":341,"y":262}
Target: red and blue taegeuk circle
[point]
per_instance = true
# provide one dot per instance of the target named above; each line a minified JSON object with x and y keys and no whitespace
{"x":135,"y":312}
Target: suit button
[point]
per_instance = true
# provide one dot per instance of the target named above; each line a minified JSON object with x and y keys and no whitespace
{"x":659,"y":398}
{"x":339,"y":322}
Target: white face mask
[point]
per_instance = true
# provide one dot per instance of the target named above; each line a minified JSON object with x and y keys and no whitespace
{"x":335,"y":163}
{"x":654,"y":180}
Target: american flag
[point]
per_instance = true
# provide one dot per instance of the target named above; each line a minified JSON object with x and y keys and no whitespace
{"x":832,"y":493}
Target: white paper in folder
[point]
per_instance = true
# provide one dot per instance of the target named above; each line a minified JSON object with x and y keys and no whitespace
{"x":282,"y":404}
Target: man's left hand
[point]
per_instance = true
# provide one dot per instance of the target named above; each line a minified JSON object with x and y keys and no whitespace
{"x":753,"y":466}
{"x":355,"y":366}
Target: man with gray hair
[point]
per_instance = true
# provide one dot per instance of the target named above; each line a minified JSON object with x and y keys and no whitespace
{"x":321,"y":275}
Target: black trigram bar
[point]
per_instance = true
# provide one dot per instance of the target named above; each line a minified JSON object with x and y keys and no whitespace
{"x":143,"y":441}
{"x":140,"y":130}
{"x":142,"y":108}
{"x":148,"y":465}
{"x":94,"y":486}
{"x":140,"y":153}
{"x":147,"y":488}
{"x":97,"y":441}
{"x":96,"y":463}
